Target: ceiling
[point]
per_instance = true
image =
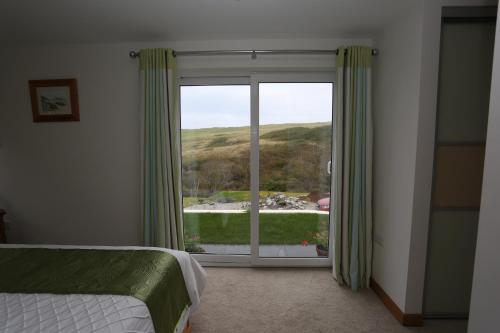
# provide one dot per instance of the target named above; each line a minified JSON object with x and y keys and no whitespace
{"x":96,"y":21}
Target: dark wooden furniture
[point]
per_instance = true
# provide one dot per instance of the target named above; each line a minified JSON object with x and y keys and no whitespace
{"x":3,"y":238}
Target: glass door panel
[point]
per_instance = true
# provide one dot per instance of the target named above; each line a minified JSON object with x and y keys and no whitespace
{"x":295,"y":145}
{"x":215,"y":139}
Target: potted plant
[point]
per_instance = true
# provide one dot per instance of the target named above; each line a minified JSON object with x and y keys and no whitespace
{"x":191,"y":245}
{"x":322,"y":243}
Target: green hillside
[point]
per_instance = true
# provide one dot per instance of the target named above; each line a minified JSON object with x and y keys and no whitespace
{"x":293,"y":157}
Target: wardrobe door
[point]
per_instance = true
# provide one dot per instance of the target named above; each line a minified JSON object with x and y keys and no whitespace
{"x":464,"y":87}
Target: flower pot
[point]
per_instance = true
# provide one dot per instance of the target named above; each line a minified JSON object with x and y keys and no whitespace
{"x":321,"y":250}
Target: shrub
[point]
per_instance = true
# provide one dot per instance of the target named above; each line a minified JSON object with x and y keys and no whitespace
{"x":274,"y":185}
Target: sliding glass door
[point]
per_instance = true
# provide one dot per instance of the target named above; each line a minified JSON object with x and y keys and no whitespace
{"x":295,"y":136}
{"x":256,"y":163}
{"x":215,"y":137}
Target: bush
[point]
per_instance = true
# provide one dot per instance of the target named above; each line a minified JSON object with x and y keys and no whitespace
{"x":220,"y":198}
{"x":275,"y":186}
{"x":193,"y":248}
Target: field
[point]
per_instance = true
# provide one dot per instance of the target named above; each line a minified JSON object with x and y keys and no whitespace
{"x":204,"y":142}
{"x":293,"y":158}
{"x":223,"y":228}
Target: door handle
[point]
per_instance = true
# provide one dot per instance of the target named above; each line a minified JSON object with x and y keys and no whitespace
{"x":329,"y":167}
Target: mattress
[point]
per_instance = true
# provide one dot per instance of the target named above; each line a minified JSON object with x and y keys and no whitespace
{"x":49,"y":313}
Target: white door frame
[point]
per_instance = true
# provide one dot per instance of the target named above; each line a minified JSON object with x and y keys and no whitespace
{"x":253,"y":79}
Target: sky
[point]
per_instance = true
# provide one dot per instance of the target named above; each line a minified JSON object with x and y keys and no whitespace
{"x":229,"y":106}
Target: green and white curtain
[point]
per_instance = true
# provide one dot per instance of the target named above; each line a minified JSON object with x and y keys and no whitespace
{"x":353,"y":219}
{"x":161,"y":168}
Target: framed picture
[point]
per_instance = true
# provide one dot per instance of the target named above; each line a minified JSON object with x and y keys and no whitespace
{"x":54,"y":100}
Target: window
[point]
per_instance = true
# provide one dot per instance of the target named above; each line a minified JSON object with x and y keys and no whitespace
{"x":256,"y":168}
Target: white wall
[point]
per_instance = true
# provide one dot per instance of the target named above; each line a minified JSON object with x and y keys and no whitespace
{"x":424,"y":159}
{"x":396,"y":109}
{"x":485,"y":300}
{"x":79,"y":183}
{"x":429,"y":67}
{"x":405,"y":96}
{"x":72,"y":183}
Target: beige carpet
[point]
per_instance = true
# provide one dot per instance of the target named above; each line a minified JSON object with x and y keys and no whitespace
{"x":294,"y":300}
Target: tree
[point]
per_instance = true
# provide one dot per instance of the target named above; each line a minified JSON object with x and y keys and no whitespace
{"x":215,"y":174}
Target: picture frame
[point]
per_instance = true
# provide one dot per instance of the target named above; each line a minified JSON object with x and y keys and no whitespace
{"x":54,"y":100}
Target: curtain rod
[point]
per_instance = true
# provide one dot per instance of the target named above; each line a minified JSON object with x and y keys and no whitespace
{"x":252,"y":53}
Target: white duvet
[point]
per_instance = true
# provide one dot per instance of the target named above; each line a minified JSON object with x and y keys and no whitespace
{"x":49,"y":313}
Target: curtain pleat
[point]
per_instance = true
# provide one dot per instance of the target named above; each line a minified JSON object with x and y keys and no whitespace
{"x":161,"y":177}
{"x":353,"y":216}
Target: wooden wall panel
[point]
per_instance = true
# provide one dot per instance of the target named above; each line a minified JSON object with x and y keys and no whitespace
{"x":465,"y":79}
{"x":450,"y":263}
{"x":458,"y":176}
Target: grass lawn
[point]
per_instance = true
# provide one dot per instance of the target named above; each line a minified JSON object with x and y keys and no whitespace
{"x":223,"y":228}
{"x":189,"y":201}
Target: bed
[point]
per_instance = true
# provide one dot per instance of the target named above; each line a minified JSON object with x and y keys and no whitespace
{"x":100,"y":289}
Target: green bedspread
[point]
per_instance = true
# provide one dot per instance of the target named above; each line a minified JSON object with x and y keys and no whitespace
{"x":154,"y":277}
